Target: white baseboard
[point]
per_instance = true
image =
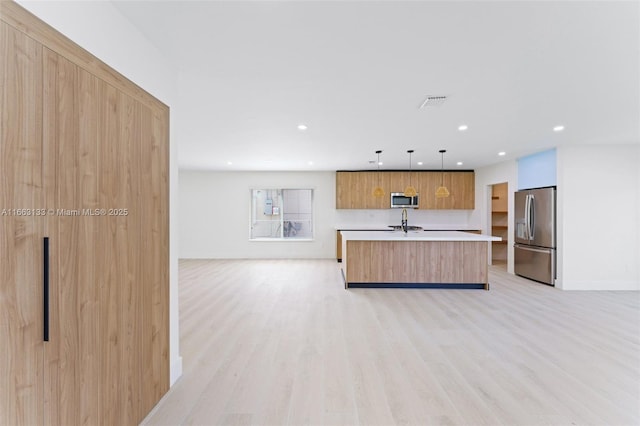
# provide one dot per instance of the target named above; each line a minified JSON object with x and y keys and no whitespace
{"x":599,"y":285}
{"x":175,"y":371}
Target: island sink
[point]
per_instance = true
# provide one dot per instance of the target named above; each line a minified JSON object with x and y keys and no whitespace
{"x":409,"y":228}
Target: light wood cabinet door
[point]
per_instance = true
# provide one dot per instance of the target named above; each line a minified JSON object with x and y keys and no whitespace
{"x":91,"y":265}
{"x":154,"y":258}
{"x":354,"y":190}
{"x":84,"y":162}
{"x":370,"y":181}
{"x":361,"y":195}
{"x":462,"y":190}
{"x":398,"y":181}
{"x":344,"y":184}
{"x":461,"y":186}
{"x":21,"y":230}
{"x":108,"y":362}
{"x":428,"y":183}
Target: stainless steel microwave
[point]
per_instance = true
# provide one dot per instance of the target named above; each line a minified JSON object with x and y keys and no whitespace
{"x":401,"y":201}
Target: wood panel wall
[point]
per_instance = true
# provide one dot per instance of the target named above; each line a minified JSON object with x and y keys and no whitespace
{"x":91,"y":148}
{"x":21,"y":186}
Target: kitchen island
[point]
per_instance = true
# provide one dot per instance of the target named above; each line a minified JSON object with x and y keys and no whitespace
{"x":342,"y":228}
{"x":419,"y":259}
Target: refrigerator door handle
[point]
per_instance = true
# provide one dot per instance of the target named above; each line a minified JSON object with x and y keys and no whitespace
{"x":529,"y":248}
{"x":526,"y":216}
{"x":532,"y":216}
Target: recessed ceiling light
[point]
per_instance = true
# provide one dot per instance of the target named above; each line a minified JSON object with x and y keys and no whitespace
{"x":502,"y":153}
{"x":463,"y":127}
{"x":302,"y":127}
{"x":558,"y":128}
{"x":459,"y":163}
{"x":229,"y":163}
{"x":420,"y":163}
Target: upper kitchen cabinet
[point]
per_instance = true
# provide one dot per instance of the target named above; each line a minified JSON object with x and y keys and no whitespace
{"x":461,"y":186}
{"x":349,"y":191}
{"x":354,"y":189}
{"x":398,"y":181}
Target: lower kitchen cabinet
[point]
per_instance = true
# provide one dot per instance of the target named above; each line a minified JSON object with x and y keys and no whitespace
{"x":84,"y":167}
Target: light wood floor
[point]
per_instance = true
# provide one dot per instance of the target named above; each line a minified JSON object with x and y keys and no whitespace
{"x":275,"y":342}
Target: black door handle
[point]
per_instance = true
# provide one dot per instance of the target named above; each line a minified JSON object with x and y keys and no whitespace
{"x":45,"y":292}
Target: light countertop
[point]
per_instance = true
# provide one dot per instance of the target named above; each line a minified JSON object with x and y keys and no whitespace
{"x":415,"y":236}
{"x":361,"y":228}
{"x":350,"y":227}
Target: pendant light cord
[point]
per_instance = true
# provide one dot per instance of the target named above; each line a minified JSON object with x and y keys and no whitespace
{"x":410,"y":152}
{"x":442,"y":151}
{"x":378,"y":192}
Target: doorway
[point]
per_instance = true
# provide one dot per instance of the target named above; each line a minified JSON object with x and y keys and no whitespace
{"x":499,"y":222}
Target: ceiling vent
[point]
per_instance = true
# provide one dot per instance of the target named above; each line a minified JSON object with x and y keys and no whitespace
{"x":433,"y":101}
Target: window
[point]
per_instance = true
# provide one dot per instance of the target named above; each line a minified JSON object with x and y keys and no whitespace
{"x":281,"y":214}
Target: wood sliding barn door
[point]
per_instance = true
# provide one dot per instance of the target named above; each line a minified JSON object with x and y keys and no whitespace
{"x":21,"y":231}
{"x":92,"y":153}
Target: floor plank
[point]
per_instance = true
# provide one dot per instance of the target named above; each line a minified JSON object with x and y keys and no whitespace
{"x":275,"y":342}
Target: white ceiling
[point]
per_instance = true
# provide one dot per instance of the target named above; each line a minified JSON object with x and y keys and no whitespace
{"x":356,"y":73}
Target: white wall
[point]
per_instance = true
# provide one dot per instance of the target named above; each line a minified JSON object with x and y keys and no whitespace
{"x":598,"y":246}
{"x":214,"y":211}
{"x":538,"y":170}
{"x":428,"y":219}
{"x":598,"y":217}
{"x":485,"y":177}
{"x":98,"y":27}
{"x":215,"y":207}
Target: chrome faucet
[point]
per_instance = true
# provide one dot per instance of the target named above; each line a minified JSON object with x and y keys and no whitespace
{"x":405,"y":228}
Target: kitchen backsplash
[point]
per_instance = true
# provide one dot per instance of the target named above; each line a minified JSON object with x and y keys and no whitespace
{"x":428,"y":219}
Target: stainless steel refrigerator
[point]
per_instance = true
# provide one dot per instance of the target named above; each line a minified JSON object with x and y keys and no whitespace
{"x":535,"y":234}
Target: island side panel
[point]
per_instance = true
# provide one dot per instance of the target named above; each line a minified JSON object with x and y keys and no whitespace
{"x":428,"y":262}
{"x":404,"y":261}
{"x":451,"y":261}
{"x":475,"y":269}
{"x":383,"y":264}
{"x":358,"y":261}
{"x":444,"y":262}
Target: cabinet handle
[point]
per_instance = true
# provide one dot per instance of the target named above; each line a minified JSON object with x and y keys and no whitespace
{"x":45,"y":293}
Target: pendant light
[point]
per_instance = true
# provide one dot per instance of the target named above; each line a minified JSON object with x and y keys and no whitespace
{"x":378,"y":192}
{"x":442,"y":191}
{"x":410,"y":191}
